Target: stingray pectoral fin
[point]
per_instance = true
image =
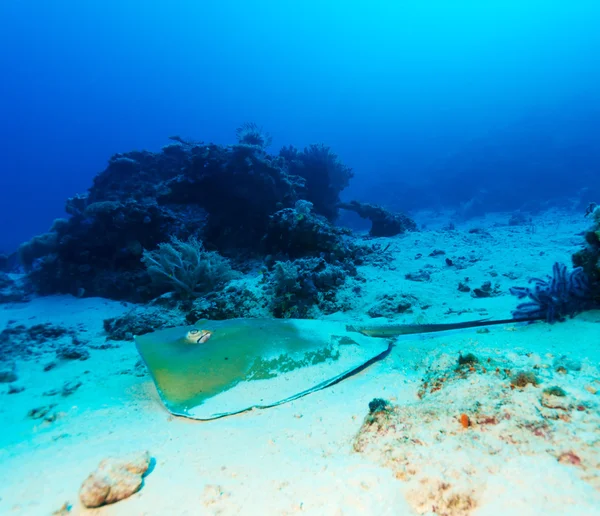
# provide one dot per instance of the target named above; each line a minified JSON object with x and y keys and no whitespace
{"x":251,"y":363}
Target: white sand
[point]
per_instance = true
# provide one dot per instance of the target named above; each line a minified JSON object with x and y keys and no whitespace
{"x":299,"y":457}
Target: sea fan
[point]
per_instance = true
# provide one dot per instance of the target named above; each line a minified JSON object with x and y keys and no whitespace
{"x":565,"y":293}
{"x":186,"y":267}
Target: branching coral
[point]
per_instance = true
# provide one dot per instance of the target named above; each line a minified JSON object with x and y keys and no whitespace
{"x":186,"y":267}
{"x":564,"y":293}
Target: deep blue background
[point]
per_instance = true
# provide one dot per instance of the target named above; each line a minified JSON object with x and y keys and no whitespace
{"x":401,"y":90}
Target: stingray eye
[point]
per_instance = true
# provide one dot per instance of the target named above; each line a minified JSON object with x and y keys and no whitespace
{"x":193,"y":336}
{"x":204,"y":336}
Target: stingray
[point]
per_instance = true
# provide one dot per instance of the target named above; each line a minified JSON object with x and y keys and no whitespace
{"x":218,"y":368}
{"x":214,"y":369}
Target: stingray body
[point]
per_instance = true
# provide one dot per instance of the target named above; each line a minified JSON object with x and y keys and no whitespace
{"x":251,"y":363}
{"x":218,"y":368}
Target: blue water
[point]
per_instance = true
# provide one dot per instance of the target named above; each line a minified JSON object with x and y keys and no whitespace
{"x":166,"y":252}
{"x":431,"y":103}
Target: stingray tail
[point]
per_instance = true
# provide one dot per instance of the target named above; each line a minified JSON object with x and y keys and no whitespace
{"x":393,"y":330}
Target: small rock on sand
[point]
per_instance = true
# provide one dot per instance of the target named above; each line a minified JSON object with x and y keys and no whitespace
{"x":8,"y":373}
{"x":115,"y":479}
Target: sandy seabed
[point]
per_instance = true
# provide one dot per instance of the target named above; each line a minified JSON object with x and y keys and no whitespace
{"x":472,"y":439}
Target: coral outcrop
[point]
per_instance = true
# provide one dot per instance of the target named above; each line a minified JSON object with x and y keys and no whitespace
{"x":295,"y":288}
{"x":298,"y":232}
{"x":325,"y":176}
{"x":141,"y":320}
{"x":588,"y":258}
{"x":13,"y":288}
{"x":383,"y":222}
{"x":146,"y":210}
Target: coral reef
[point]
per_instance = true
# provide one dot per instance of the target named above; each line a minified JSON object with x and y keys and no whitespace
{"x":14,"y":288}
{"x":98,"y":251}
{"x":298,"y":232}
{"x":237,"y":299}
{"x":588,"y":258}
{"x":325,"y":175}
{"x":565,"y":293}
{"x":153,"y":222}
{"x":250,"y":134}
{"x":237,"y":187}
{"x":383,"y":222}
{"x":141,"y":320}
{"x":297,"y":287}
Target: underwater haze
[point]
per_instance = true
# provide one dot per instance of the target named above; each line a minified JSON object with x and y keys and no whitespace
{"x":483,"y":105}
{"x":300,"y":257}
